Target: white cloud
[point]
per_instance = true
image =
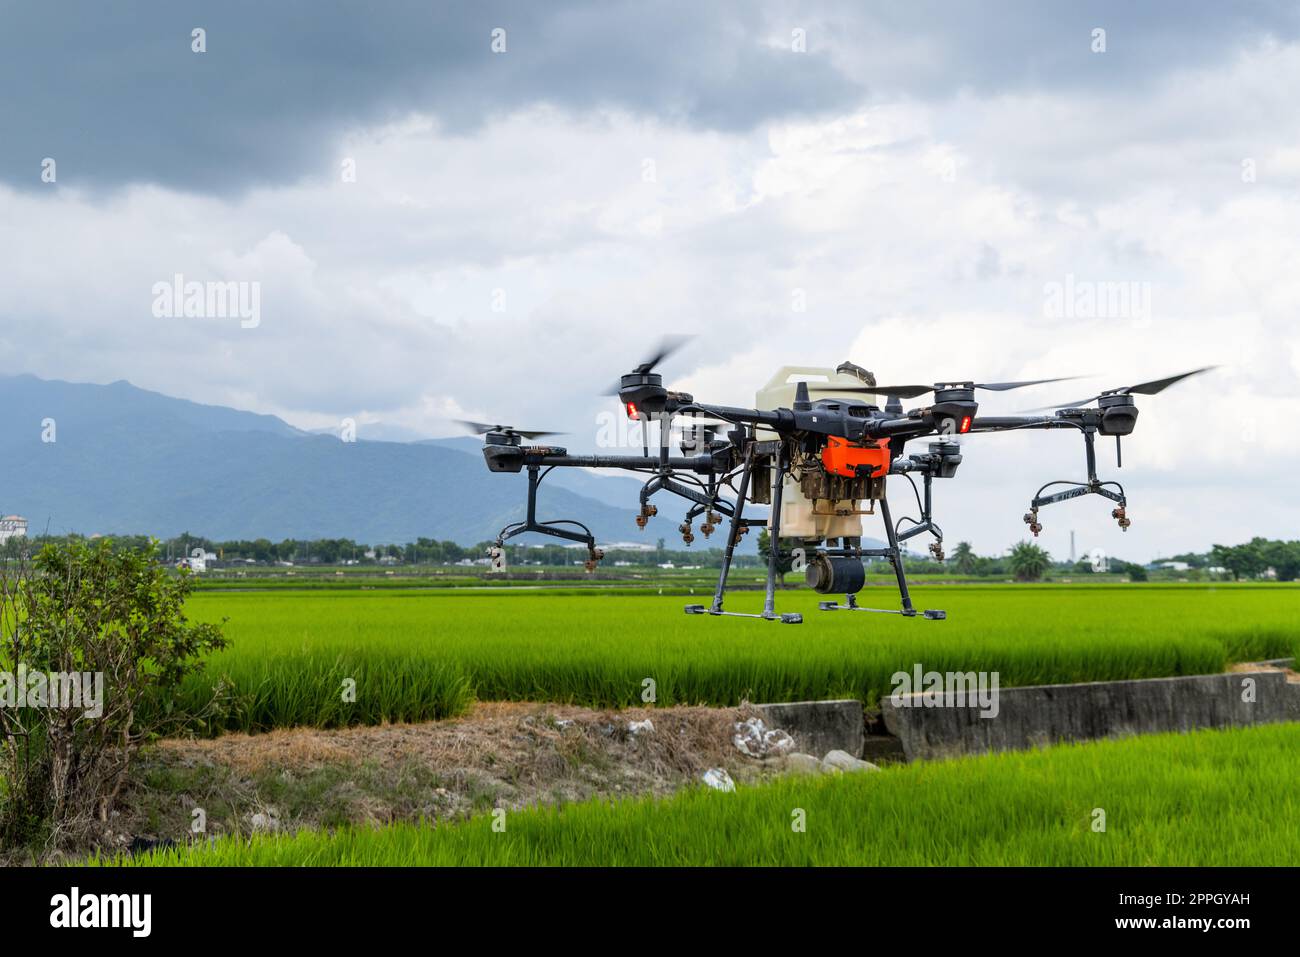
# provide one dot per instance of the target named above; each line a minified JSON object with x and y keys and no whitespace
{"x":920,"y":235}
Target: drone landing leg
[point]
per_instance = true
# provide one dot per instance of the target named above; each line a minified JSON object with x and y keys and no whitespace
{"x":733,"y":533}
{"x":896,"y":557}
{"x":737,"y":523}
{"x":774,"y":549}
{"x":531,"y":524}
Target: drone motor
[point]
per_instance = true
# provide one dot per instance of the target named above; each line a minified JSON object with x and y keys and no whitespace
{"x":1118,"y":414}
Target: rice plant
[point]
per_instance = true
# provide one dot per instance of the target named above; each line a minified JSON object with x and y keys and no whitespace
{"x":1205,"y":798}
{"x":360,"y":657}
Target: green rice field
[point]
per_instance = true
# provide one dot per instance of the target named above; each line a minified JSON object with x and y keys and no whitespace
{"x":1206,"y":798}
{"x":417,"y":655}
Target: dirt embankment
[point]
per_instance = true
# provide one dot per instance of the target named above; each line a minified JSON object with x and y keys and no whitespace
{"x":507,"y":755}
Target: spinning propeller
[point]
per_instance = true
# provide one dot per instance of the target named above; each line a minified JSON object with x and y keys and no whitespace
{"x":667,"y":346}
{"x":912,"y":391}
{"x":1142,"y":388}
{"x":482,"y":428}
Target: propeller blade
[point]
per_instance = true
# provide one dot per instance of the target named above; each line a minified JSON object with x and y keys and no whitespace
{"x":1007,"y":386}
{"x":482,"y":428}
{"x":666,"y":347}
{"x":902,"y":391}
{"x":1065,"y":405}
{"x":912,"y":391}
{"x":1159,"y":385}
{"x":534,"y":435}
{"x":1142,"y":388}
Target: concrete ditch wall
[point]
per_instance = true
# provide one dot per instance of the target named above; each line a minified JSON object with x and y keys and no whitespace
{"x":1039,"y":715}
{"x":1046,"y":714}
{"x":819,"y":726}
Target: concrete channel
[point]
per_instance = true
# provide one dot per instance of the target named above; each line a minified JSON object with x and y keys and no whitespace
{"x":912,"y":726}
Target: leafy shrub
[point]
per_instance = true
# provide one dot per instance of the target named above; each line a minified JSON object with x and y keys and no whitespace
{"x":104,"y":633}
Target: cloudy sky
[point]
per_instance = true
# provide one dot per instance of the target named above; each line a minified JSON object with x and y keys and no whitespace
{"x":490,"y":210}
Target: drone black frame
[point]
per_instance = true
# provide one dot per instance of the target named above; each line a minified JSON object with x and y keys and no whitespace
{"x":700,"y":478}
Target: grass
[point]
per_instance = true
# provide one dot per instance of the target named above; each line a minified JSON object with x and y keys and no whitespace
{"x":1207,"y":798}
{"x":424,"y":655}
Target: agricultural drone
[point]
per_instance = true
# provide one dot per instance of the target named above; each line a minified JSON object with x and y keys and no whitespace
{"x":818,"y":452}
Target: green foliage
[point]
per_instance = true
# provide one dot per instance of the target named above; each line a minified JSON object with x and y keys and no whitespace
{"x":1255,"y":557}
{"x":426,"y":552}
{"x":115,"y":619}
{"x":1028,"y":562}
{"x":417,"y":655}
{"x":963,"y":559}
{"x":1204,"y":799}
{"x":92,"y":603}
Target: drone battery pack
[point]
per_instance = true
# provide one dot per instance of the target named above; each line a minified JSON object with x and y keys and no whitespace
{"x":842,"y":457}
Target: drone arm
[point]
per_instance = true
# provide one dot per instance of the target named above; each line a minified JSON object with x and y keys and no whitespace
{"x":1008,"y":423}
{"x":515,"y":458}
{"x":778,"y":419}
{"x":908,"y":426}
{"x":702,"y":464}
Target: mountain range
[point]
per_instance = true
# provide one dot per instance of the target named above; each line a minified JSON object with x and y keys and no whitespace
{"x":117,"y":459}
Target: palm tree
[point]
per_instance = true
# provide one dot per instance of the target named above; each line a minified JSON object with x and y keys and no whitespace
{"x":1028,"y":562}
{"x":963,"y":558}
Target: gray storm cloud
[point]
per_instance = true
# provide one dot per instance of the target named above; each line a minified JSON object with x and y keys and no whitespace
{"x":117,"y":95}
{"x":903,"y":191}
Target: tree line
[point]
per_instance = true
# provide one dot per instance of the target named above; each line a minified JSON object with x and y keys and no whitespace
{"x":1255,"y":558}
{"x":1026,"y":561}
{"x":337,"y":551}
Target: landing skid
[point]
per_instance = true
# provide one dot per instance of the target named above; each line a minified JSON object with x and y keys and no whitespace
{"x":933,"y":614}
{"x":788,"y":618}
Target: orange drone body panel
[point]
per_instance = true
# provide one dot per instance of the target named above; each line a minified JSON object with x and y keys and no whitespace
{"x":842,"y":457}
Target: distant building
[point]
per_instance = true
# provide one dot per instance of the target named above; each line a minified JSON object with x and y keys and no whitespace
{"x":12,"y":526}
{"x":198,"y":561}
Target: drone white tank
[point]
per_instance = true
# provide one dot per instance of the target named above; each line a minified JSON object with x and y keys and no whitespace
{"x":801,"y":517}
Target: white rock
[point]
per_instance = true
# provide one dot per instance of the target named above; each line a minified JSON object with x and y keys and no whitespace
{"x":719,"y":779}
{"x":748,"y":738}
{"x":755,"y":739}
{"x":836,"y":761}
{"x":639,"y":727}
{"x":777,"y":741}
{"x":265,"y":822}
{"x":799,"y":763}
